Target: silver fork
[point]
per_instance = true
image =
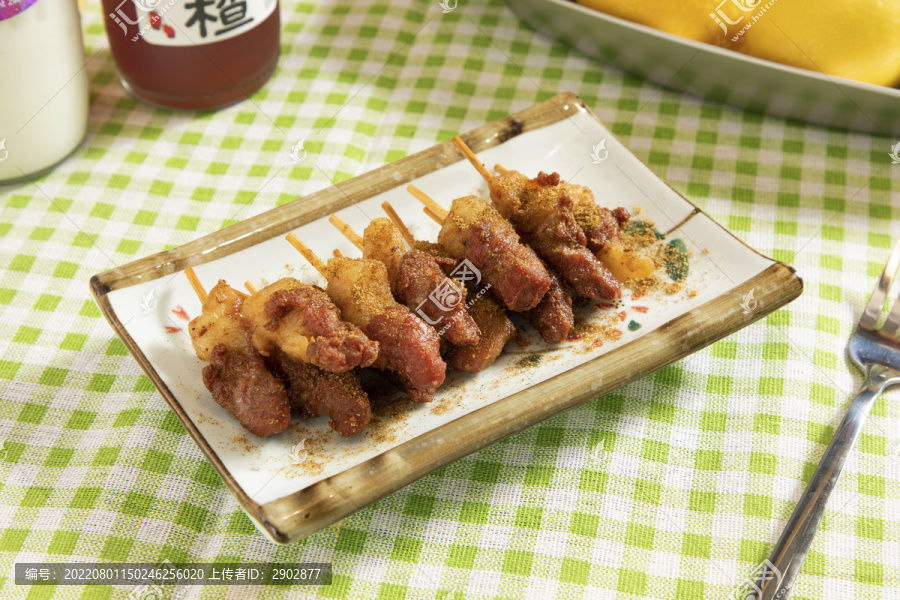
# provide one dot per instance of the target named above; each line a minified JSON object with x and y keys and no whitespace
{"x":877,"y":354}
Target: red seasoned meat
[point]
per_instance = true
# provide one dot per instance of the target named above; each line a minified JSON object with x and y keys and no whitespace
{"x":553,"y":317}
{"x":241,"y":384}
{"x":312,"y":391}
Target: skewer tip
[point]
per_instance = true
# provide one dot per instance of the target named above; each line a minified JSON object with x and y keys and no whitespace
{"x":195,"y":283}
{"x":346,"y":231}
{"x":436,"y":217}
{"x":429,"y":203}
{"x":470,"y":156}
{"x":398,"y":223}
{"x":308,"y":254}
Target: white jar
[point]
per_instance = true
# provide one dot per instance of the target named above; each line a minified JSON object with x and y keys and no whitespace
{"x":43,"y":85}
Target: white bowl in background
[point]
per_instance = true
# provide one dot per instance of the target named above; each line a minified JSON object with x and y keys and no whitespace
{"x":716,"y":73}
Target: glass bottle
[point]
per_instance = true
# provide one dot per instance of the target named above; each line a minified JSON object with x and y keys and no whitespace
{"x":43,"y":86}
{"x":193,"y":54}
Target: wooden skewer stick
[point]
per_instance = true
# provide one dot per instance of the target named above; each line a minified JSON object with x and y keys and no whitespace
{"x":470,"y":156}
{"x":395,"y":219}
{"x":251,"y":287}
{"x":195,"y":283}
{"x":422,"y":197}
{"x":308,"y":254}
{"x":501,"y":169}
{"x":346,"y":231}
{"x":337,"y":253}
{"x":437,"y":218}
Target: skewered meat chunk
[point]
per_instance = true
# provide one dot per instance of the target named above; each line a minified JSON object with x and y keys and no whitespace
{"x":543,"y":214}
{"x":304,"y":322}
{"x":241,"y":384}
{"x":359,"y":287}
{"x":475,"y":231}
{"x":496,"y":330}
{"x":236,"y":375}
{"x":599,"y":224}
{"x":438,"y":251}
{"x":382,"y":241}
{"x":312,"y":391}
{"x":602,"y":228}
{"x":411,"y":348}
{"x":219,"y":322}
{"x":553,"y":317}
{"x":415,"y":276}
{"x":420,"y":275}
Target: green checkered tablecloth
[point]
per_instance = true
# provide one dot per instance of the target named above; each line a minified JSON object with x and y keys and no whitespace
{"x":701,"y":463}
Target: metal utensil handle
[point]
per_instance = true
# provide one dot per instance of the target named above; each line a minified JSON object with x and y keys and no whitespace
{"x":778,"y":574}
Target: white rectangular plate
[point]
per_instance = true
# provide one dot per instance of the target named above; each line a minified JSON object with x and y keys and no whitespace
{"x":307,"y":477}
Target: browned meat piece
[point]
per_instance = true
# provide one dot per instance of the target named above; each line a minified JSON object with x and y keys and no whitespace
{"x":580,"y":269}
{"x":475,"y":231}
{"x":419,"y":282}
{"x":546,"y":179}
{"x":553,"y":317}
{"x":496,"y":330}
{"x":437,"y":251}
{"x":237,"y":377}
{"x":513,"y":270}
{"x":622,"y":216}
{"x":336,"y":345}
{"x":411,"y":348}
{"x":600,"y":225}
{"x":303,"y":321}
{"x":602,"y":228}
{"x":359,"y":287}
{"x":440,"y":254}
{"x":312,"y":391}
{"x":543,"y":214}
{"x":241,"y":384}
{"x":418,"y":276}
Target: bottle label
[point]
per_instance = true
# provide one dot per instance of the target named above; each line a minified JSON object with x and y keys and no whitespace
{"x":10,"y":8}
{"x":190,"y":22}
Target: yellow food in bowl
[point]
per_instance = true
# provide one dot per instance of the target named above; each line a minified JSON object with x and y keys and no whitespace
{"x":685,"y":18}
{"x":855,"y":39}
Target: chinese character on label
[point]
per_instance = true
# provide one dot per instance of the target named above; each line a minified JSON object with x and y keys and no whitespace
{"x":232,"y":14}
{"x":199,"y":14}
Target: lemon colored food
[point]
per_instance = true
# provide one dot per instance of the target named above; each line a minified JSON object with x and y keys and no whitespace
{"x":686,"y":18}
{"x":855,"y":39}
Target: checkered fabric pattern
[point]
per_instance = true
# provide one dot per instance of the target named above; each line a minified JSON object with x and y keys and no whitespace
{"x":674,"y":486}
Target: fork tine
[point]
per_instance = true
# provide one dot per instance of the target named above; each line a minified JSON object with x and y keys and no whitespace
{"x":879,"y":295}
{"x":893,"y":320}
